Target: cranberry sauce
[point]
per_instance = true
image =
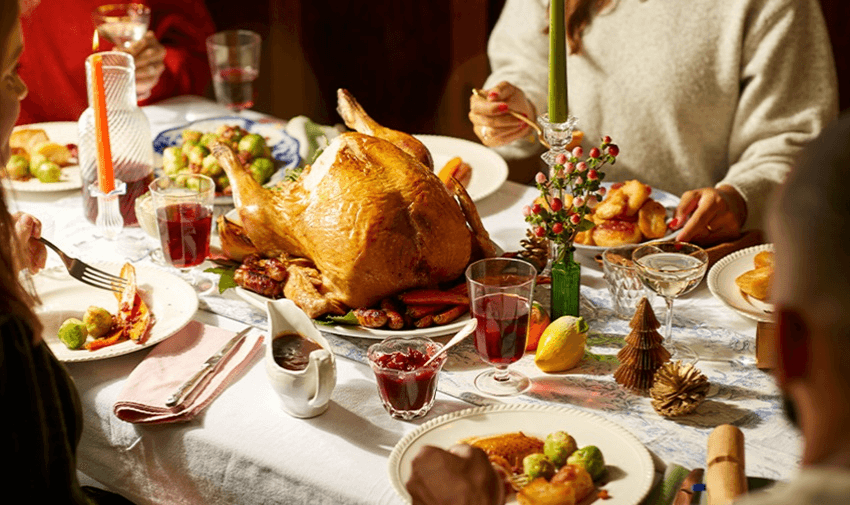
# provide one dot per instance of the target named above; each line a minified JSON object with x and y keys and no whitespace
{"x":402,"y":382}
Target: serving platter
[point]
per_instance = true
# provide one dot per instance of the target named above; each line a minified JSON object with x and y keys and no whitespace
{"x":721,"y":283}
{"x":259,"y":301}
{"x":630,"y":467}
{"x":60,"y":132}
{"x":489,"y":169}
{"x":668,"y":200}
{"x":172,"y":303}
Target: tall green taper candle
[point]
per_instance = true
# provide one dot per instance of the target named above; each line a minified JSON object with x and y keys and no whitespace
{"x":557,"y":63}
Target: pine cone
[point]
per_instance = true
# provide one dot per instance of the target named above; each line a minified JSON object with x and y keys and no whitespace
{"x":678,"y":389}
{"x":534,"y":250}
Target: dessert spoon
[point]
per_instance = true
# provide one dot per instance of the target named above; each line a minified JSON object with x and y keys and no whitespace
{"x":464,"y":332}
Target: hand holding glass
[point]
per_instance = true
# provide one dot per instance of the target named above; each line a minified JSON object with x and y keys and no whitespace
{"x":122,"y":24}
{"x":671,"y":269}
{"x":500,"y":295}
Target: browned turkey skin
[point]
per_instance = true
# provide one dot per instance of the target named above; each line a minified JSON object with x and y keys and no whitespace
{"x":369,"y":219}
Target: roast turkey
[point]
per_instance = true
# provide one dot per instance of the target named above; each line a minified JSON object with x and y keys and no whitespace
{"x":368,"y":216}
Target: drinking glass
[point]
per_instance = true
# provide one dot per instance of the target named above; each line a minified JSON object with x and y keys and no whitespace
{"x":623,"y":281}
{"x":234,"y":62}
{"x":671,"y":269}
{"x":184,"y":207}
{"x":500,"y":296}
{"x":122,"y":24}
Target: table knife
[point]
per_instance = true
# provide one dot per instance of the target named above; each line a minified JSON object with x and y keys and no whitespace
{"x":208,"y":367}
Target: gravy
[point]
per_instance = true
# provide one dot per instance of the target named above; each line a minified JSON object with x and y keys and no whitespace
{"x":292,"y":351}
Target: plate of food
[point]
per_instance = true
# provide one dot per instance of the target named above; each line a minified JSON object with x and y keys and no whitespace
{"x":265,"y":147}
{"x":44,"y":158}
{"x":630,"y":213}
{"x":488,"y":170}
{"x":624,"y":473}
{"x":171,"y":303}
{"x":741,"y":281}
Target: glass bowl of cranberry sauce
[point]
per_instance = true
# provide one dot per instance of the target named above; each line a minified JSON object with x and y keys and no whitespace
{"x":405,"y":386}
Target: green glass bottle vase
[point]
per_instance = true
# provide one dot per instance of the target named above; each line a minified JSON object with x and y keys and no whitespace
{"x":566,"y":280}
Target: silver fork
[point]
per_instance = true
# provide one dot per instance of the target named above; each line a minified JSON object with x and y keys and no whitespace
{"x":86,"y":273}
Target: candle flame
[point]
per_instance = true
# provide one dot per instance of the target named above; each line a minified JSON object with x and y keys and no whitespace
{"x":95,"y":42}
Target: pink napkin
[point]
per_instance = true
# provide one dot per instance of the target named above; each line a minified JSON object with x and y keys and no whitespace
{"x":173,"y":362}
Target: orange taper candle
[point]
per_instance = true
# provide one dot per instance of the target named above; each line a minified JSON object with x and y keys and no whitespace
{"x":105,"y":175}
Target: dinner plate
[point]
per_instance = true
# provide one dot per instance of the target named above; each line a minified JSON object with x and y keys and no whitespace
{"x":284,"y":147}
{"x":489,"y":169}
{"x":721,"y":283}
{"x":668,"y":200}
{"x":172,"y":303}
{"x":61,"y":132}
{"x":630,"y":468}
{"x":345,"y":330}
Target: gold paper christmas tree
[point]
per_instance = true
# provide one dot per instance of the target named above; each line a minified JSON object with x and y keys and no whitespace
{"x":643,"y":353}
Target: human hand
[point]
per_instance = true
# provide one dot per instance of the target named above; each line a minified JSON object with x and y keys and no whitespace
{"x":710,"y":215}
{"x":462,"y":475}
{"x":28,"y":230}
{"x":491,"y":121}
{"x":149,"y":56}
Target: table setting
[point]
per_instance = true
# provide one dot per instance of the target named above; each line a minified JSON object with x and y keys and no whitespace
{"x":215,"y":391}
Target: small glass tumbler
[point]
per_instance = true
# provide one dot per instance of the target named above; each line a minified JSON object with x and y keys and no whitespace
{"x":235,"y":64}
{"x":406,"y":389}
{"x":624,"y":284}
{"x":183,"y":205}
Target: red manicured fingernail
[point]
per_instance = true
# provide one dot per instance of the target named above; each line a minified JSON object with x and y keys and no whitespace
{"x":493,"y":95}
{"x":673,"y":223}
{"x":503,"y":107}
{"x":524,"y":114}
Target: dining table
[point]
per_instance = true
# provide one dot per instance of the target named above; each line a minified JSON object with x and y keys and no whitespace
{"x":243,"y":448}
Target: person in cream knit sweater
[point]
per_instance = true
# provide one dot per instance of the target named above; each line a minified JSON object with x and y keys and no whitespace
{"x":708,"y":99}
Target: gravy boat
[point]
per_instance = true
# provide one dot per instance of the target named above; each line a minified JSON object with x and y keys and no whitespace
{"x":303,"y":393}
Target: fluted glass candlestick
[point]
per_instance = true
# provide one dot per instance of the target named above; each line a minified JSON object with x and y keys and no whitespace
{"x":109,"y":220}
{"x":559,"y":136}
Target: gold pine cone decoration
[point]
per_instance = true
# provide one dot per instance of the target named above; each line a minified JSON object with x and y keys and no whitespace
{"x":677,"y":389}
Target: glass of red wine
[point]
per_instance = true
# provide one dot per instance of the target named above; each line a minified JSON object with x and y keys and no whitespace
{"x":183,"y":205}
{"x":234,"y":62}
{"x":500,"y":296}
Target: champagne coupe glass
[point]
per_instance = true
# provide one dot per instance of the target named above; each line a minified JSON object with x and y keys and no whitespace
{"x":500,"y":296}
{"x":122,"y":24}
{"x":234,"y":62}
{"x":671,"y":269}
{"x":184,"y":209}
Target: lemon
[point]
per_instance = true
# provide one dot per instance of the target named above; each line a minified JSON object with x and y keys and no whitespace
{"x":561,"y":346}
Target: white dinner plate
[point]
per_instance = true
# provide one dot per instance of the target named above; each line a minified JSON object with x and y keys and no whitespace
{"x":172,"y":304}
{"x":630,"y":467}
{"x":489,"y":169}
{"x":60,"y":132}
{"x":259,"y":301}
{"x":284,"y":147}
{"x":721,"y":283}
{"x":668,"y":200}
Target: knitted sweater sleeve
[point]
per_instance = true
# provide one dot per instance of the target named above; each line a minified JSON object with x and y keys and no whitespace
{"x":788,"y":94}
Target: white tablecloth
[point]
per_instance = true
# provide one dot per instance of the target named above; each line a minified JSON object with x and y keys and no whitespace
{"x":244,"y":449}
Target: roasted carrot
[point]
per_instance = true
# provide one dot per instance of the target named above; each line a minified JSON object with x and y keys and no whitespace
{"x":115,"y":335}
{"x":450,"y":315}
{"x":420,"y":311}
{"x":433,"y":297}
{"x":424,"y":322}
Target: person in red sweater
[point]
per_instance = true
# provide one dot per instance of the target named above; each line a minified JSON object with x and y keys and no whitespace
{"x":171,"y":60}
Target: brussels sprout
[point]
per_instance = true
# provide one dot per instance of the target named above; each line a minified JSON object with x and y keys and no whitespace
{"x":174,"y":161}
{"x":558,"y":446}
{"x":591,"y":459}
{"x":48,"y":172}
{"x":18,"y":167}
{"x":98,"y":321}
{"x":73,"y":333}
{"x":197,"y":155}
{"x":207,"y":138}
{"x":253,"y":144}
{"x":188,"y":146}
{"x":36,"y":160}
{"x":538,"y":465}
{"x":222,"y":182}
{"x":262,"y":169}
{"x":210,"y":166}
{"x":193,"y":183}
{"x":191,"y":136}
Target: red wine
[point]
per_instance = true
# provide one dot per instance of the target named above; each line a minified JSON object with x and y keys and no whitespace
{"x":184,"y":230}
{"x":502,"y":327}
{"x":126,"y":202}
{"x":234,"y":87}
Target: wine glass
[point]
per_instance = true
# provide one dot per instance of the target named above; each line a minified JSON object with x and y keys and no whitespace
{"x":500,"y":296}
{"x":234,"y":57}
{"x":183,"y":205}
{"x":671,"y":269}
{"x":122,"y":24}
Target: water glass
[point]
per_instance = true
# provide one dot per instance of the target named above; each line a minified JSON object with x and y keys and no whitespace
{"x":406,"y":388}
{"x":234,"y":62}
{"x":623,"y":281}
{"x":122,"y":24}
{"x":184,"y":207}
